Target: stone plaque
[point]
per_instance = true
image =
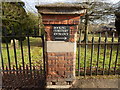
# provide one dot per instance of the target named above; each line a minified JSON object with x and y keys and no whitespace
{"x":61,"y":33}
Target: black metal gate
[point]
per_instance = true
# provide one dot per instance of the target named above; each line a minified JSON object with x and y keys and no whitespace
{"x":22,"y":59}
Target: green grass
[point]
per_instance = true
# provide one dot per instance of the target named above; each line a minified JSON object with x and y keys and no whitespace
{"x":96,"y":37}
{"x":36,"y":53}
{"x":95,"y":53}
{"x":94,"y":61}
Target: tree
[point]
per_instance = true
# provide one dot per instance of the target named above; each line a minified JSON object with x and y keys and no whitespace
{"x":13,"y":15}
{"x":97,"y":12}
{"x":32,"y":21}
{"x":117,"y":20}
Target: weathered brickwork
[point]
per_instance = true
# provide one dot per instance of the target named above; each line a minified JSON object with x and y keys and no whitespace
{"x":48,"y":30}
{"x":61,"y":19}
{"x":71,"y":20}
{"x":49,"y":33}
{"x":60,"y":68}
{"x":60,"y":46}
{"x":60,"y":65}
{"x":73,"y":31}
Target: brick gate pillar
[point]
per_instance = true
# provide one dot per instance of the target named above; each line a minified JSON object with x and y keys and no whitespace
{"x":61,"y":25}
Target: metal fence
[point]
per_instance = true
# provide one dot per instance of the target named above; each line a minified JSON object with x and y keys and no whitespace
{"x":99,"y":54}
{"x":20,"y":67}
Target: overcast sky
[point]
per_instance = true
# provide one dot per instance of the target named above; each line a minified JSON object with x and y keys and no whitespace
{"x":30,"y":4}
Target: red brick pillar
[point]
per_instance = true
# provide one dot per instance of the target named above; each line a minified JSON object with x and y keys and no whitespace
{"x":60,"y":55}
{"x":60,"y":21}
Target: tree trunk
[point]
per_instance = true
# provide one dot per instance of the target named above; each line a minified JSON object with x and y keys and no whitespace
{"x":86,"y":28}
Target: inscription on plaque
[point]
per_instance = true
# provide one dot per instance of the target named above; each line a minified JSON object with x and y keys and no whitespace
{"x":61,"y":33}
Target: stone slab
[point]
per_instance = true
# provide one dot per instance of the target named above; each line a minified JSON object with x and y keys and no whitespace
{"x":60,"y":46}
{"x":58,"y":86}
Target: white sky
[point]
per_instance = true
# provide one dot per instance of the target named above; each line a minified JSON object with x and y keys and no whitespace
{"x":113,"y":1}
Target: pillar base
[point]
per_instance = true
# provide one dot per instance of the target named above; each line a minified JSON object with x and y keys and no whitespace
{"x":61,"y":86}
{"x":60,"y":62}
{"x":58,"y":86}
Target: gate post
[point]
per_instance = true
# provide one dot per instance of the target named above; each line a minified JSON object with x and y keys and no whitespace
{"x":61,"y":25}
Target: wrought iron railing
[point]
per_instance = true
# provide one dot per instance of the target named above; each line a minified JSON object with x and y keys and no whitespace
{"x":99,"y":54}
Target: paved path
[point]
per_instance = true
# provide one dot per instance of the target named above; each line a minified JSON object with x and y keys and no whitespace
{"x":97,"y":83}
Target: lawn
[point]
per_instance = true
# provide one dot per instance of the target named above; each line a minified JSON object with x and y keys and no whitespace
{"x":36,"y":53}
{"x":35,"y":49}
{"x":101,"y":55}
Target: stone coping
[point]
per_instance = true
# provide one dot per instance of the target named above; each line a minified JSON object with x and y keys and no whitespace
{"x":69,"y":5}
{"x":60,"y":46}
